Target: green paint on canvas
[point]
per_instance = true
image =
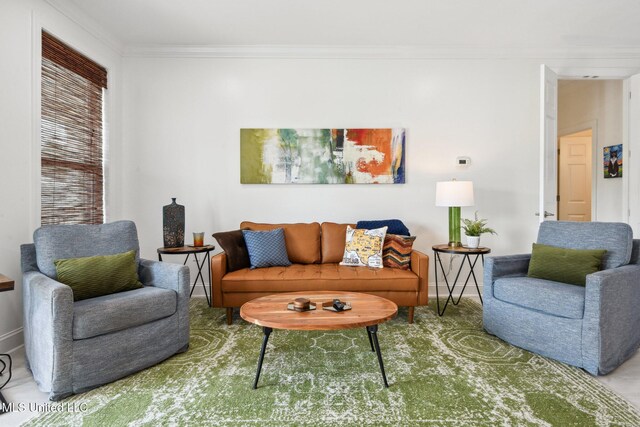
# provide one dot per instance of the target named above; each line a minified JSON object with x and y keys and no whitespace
{"x":443,"y":371}
{"x":253,"y":169}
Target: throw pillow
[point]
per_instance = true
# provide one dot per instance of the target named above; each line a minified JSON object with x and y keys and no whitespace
{"x":564,"y":265}
{"x":394,"y":226}
{"x":232,"y":243}
{"x":95,"y":276}
{"x":266,"y":248}
{"x":396,"y":252}
{"x":364,"y":247}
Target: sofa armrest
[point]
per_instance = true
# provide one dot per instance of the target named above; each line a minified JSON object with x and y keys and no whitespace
{"x":611,"y":327}
{"x":48,"y":333}
{"x":420,"y":266}
{"x":218,"y":270}
{"x":165,"y":275}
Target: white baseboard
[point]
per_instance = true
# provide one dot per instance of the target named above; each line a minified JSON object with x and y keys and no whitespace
{"x":11,"y":341}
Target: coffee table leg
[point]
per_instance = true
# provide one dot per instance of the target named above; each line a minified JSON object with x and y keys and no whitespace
{"x":373,"y":334}
{"x":267,"y":332}
{"x":370,"y":339}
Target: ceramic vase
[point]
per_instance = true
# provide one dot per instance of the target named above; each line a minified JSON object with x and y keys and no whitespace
{"x":473,"y":241}
{"x":173,"y":224}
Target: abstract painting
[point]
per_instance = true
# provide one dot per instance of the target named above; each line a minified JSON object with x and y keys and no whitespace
{"x":613,"y":161}
{"x":322,"y":156}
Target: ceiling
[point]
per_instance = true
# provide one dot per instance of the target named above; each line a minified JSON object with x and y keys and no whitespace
{"x":495,"y":24}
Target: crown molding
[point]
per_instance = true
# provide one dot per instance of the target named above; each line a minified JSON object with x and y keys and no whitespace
{"x":88,"y":24}
{"x":375,"y":52}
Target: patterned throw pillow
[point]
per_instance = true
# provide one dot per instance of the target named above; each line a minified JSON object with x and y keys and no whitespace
{"x":396,"y":252}
{"x":364,"y":247}
{"x":266,"y":248}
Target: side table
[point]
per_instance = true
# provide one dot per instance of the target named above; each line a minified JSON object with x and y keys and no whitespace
{"x":6,"y":284}
{"x":466,"y":253}
{"x":195,"y":250}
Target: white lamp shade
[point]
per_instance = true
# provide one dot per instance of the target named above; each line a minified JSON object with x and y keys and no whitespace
{"x":454,"y":193}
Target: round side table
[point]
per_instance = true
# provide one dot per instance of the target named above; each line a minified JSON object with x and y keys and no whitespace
{"x":466,"y":253}
{"x":195,"y":250}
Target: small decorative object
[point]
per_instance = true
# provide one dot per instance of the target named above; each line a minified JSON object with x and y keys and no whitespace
{"x":322,"y":156}
{"x":454,"y":194}
{"x":613,"y":161}
{"x":474,"y":228}
{"x":301,"y":304}
{"x":173,"y":224}
{"x":198,"y":239}
{"x":336,"y":305}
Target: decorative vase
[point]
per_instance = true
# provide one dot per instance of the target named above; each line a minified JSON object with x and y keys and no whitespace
{"x":473,"y":242}
{"x":173,"y":224}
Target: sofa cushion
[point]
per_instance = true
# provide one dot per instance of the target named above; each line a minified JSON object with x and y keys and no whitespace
{"x":124,"y":310}
{"x":396,"y":252}
{"x":232,"y":243}
{"x":363,"y":248}
{"x":302,"y":240}
{"x":333,"y":239}
{"x":90,"y":277}
{"x":82,"y":240}
{"x":329,"y":277}
{"x":615,"y":237}
{"x":394,"y":226}
{"x":558,"y":299}
{"x":266,"y":248}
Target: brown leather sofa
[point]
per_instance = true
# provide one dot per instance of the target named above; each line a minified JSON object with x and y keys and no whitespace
{"x":316,"y":251}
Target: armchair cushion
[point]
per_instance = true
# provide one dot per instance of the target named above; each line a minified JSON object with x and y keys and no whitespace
{"x":81,"y":240}
{"x":564,"y":265}
{"x":124,"y":310}
{"x":91,"y":277}
{"x":555,"y":298}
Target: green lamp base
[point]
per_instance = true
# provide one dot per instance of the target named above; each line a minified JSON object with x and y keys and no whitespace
{"x":454,"y":226}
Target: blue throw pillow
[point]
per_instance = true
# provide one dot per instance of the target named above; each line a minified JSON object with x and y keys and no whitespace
{"x":394,"y":226}
{"x":266,"y":248}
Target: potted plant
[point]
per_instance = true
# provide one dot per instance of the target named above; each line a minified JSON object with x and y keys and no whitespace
{"x":473,"y":228}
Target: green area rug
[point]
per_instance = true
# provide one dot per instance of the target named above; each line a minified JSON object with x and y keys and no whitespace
{"x":442,"y":371}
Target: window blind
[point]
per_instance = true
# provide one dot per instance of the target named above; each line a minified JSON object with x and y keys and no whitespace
{"x":72,"y":177}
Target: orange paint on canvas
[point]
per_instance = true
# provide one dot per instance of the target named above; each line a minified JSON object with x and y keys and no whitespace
{"x":376,"y":139}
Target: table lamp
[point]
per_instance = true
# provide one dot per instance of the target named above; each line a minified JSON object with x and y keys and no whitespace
{"x":454,"y":194}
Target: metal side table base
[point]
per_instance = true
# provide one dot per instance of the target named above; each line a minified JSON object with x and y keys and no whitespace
{"x":4,"y":405}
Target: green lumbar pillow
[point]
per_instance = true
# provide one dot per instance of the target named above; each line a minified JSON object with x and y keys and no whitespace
{"x":94,"y":276}
{"x":564,"y":265}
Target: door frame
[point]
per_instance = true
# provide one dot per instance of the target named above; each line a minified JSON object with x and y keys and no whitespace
{"x":593,"y":125}
{"x":604,"y":73}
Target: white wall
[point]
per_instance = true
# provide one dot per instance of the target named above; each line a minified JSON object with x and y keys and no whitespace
{"x":20,"y":20}
{"x":182,"y":119}
{"x":582,"y":103}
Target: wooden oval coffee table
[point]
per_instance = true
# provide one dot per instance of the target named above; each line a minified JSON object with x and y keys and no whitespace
{"x":367,"y":311}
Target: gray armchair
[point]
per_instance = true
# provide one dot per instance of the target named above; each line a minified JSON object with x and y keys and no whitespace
{"x":72,"y":347}
{"x":596,"y":327}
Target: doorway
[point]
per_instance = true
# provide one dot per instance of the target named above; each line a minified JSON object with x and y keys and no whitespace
{"x":575,"y":160}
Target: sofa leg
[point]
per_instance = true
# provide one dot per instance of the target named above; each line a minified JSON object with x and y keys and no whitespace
{"x":229,"y":315}
{"x":411,"y":310}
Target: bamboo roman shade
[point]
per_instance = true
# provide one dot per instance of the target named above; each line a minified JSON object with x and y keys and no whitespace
{"x":72,"y":179}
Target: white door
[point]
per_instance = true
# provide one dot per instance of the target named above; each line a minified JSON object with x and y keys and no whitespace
{"x":574,"y":178}
{"x":548,"y":144}
{"x":631,"y":165}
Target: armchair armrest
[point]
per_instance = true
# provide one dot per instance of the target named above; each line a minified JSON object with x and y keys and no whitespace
{"x":165,"y":275}
{"x":611,"y":329}
{"x":174,"y":277}
{"x":420,"y":266}
{"x":48,"y":322}
{"x":496,"y":267}
{"x":218,"y":270}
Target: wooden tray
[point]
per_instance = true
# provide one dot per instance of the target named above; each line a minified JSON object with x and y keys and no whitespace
{"x":312,"y":306}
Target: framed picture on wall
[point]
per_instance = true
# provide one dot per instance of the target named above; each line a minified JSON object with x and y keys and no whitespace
{"x":612,"y":156}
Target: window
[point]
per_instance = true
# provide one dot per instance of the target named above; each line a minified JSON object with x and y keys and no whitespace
{"x":72,"y":180}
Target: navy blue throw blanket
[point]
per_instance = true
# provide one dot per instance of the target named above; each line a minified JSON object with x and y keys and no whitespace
{"x":395,"y":226}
